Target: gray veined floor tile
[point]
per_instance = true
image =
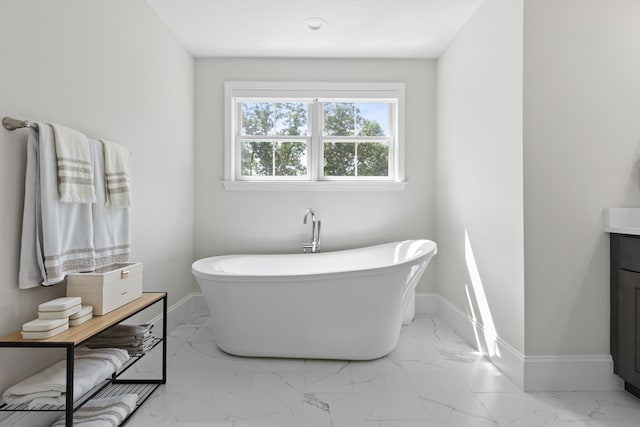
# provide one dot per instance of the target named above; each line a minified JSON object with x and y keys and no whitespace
{"x":399,"y":424}
{"x":333,"y":409}
{"x":432,"y":379}
{"x":610,"y":406}
{"x":329,"y":376}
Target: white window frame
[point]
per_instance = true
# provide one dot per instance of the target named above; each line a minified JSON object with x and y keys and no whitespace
{"x":235,"y":91}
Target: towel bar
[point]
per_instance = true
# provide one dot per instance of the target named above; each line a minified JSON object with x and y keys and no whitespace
{"x":13,"y":124}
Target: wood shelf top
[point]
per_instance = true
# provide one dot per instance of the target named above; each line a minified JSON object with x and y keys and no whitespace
{"x":77,"y":334}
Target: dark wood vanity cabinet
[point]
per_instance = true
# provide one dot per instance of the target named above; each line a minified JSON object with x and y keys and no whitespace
{"x":625,"y":309}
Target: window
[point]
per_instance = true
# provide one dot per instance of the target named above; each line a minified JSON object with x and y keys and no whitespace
{"x":318,"y":136}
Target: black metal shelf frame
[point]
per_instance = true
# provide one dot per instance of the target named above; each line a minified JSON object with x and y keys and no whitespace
{"x":109,"y":387}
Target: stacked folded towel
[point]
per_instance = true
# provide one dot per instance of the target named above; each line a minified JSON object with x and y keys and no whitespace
{"x":136,"y":339}
{"x":107,"y":412}
{"x":48,"y":387}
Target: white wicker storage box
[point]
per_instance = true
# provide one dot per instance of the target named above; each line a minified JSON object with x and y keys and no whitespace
{"x":108,"y":287}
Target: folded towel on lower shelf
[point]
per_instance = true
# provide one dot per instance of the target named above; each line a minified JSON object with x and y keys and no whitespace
{"x":107,"y":412}
{"x":135,"y":347}
{"x":48,"y":387}
{"x":136,"y":339}
{"x":126,"y":331}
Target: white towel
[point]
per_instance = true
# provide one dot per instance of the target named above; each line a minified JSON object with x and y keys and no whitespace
{"x":75,"y":171}
{"x":136,"y":339}
{"x":117,"y":171}
{"x":48,"y":387}
{"x":57,"y":237}
{"x":106,"y":412}
{"x":126,"y":331}
{"x":60,"y":238}
{"x":32,"y":272}
{"x":111,"y":226}
{"x":67,"y":228}
{"x":113,"y":356}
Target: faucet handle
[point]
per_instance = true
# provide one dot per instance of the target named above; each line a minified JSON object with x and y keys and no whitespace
{"x":317,"y":239}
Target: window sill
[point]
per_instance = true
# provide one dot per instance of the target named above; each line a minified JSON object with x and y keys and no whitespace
{"x":313,"y":186}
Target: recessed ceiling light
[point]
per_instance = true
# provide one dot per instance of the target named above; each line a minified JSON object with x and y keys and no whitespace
{"x":314,"y":24}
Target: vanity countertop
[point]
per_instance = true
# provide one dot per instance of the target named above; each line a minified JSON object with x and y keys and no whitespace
{"x":622,"y":220}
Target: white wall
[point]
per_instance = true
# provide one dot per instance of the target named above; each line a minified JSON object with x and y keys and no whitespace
{"x":581,"y":153}
{"x":479,"y":189}
{"x":271,"y":222}
{"x":111,"y":70}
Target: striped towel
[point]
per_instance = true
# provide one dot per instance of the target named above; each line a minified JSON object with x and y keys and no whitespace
{"x":75,"y":172}
{"x":111,"y":227}
{"x":58,"y":237}
{"x":107,"y":412}
{"x":117,"y":167}
{"x":65,"y":234}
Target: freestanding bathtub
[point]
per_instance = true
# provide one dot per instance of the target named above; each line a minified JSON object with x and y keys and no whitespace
{"x":334,"y":305}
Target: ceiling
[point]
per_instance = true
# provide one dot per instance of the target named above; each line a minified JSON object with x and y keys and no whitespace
{"x":352,"y":29}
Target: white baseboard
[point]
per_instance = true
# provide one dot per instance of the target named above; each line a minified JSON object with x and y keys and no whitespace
{"x":529,"y":373}
{"x":570,"y":373}
{"x":179,"y":312}
{"x":199,"y":303}
{"x":502,"y":354}
{"x":427,"y":303}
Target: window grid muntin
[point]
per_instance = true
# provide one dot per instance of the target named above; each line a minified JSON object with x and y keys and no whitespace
{"x":273,"y":139}
{"x":391,"y":94}
{"x":390,"y":114}
{"x":392,"y":140}
{"x":357,"y":141}
{"x":241,"y":102}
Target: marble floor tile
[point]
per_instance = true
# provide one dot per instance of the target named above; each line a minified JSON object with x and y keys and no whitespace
{"x":333,"y":409}
{"x":329,"y":376}
{"x":386,"y":391}
{"x":593,"y":406}
{"x":432,"y":379}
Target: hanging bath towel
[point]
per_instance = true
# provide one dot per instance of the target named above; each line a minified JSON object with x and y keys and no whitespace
{"x":57,"y":237}
{"x":111,"y":225}
{"x":117,"y":167}
{"x":75,"y":170}
{"x":32,"y":272}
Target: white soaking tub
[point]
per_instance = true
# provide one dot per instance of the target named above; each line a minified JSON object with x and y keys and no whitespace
{"x":346,"y":304}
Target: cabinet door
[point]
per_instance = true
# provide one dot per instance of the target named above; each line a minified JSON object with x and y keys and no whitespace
{"x":629,"y":253}
{"x":629,"y":327}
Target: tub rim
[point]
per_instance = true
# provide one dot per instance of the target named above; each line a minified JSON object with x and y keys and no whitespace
{"x":221,"y":276}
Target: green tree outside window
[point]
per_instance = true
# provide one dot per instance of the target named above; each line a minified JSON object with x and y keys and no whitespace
{"x":273,"y":157}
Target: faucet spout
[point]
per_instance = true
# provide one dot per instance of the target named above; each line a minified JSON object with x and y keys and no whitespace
{"x":306,"y":214}
{"x":315,"y":232}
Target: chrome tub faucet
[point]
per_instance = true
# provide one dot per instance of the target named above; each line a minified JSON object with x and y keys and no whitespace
{"x":315,"y":233}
